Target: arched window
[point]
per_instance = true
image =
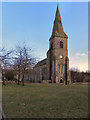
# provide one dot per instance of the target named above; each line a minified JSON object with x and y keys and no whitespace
{"x":61,"y":44}
{"x":61,"y":68}
{"x":58,"y":68}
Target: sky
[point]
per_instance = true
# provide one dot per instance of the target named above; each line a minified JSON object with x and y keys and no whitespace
{"x":33,"y":23}
{"x":89,"y":36}
{"x":45,"y":0}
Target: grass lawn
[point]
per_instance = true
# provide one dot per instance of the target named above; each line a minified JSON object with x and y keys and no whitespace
{"x":45,"y":101}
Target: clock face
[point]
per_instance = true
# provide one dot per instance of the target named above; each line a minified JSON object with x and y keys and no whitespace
{"x":61,"y":56}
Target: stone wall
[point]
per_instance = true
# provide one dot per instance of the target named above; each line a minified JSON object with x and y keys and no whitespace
{"x":40,"y":73}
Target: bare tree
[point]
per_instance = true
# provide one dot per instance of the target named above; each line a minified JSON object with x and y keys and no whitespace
{"x":23,"y":62}
{"x":19,"y":60}
{"x":5,"y":61}
{"x":77,"y":76}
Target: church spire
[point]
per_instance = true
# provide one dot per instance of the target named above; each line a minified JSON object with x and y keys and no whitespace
{"x":58,"y":28}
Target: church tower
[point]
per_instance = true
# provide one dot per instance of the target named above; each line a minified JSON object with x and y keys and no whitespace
{"x":57,"y":55}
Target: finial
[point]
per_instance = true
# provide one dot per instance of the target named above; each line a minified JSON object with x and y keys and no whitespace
{"x":58,"y":4}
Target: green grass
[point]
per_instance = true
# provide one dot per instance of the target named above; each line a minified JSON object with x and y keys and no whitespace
{"x":45,"y":101}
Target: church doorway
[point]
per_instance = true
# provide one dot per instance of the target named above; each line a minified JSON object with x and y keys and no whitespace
{"x":61,"y":81}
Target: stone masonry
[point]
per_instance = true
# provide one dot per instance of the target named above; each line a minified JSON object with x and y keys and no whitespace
{"x":56,"y":66}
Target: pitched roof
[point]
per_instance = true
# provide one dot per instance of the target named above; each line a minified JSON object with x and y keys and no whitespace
{"x":42,"y":62}
{"x":58,"y":27}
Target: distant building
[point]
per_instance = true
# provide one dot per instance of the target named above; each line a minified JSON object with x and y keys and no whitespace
{"x":56,"y":66}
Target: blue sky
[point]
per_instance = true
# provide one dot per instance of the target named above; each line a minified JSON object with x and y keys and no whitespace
{"x":33,"y":23}
{"x":89,"y":35}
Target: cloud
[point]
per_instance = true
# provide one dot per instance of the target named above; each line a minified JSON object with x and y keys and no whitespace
{"x":83,"y":54}
{"x":80,"y":54}
{"x":77,"y":54}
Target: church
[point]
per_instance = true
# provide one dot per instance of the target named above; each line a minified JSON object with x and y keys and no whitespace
{"x":56,"y":66}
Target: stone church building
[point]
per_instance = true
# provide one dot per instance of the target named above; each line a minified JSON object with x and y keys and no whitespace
{"x":56,"y":66}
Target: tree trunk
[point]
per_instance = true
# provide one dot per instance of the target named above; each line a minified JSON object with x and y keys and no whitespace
{"x":23,"y":80}
{"x":3,"y":78}
{"x":18,"y":78}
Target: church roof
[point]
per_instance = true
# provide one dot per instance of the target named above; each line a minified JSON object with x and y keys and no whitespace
{"x":42,"y":62}
{"x":58,"y":27}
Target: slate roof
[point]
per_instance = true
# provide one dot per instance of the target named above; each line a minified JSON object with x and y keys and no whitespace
{"x":40,"y":63}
